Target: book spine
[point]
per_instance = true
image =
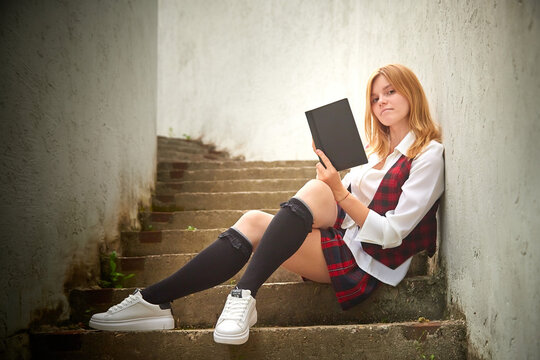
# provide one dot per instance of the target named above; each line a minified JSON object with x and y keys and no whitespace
{"x":315,"y":132}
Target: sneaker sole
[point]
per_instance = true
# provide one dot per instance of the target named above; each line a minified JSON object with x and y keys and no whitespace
{"x":148,"y":324}
{"x":237,"y":339}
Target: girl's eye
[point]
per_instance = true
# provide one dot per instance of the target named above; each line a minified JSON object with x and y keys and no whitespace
{"x":390,"y":92}
{"x":374,"y":100}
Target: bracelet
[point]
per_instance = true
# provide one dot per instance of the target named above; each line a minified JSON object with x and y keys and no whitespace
{"x":348,"y":193}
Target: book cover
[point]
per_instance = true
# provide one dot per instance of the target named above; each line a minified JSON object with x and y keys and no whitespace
{"x":334,"y":131}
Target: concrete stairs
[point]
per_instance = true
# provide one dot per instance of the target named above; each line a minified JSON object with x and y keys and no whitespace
{"x":199,"y":193}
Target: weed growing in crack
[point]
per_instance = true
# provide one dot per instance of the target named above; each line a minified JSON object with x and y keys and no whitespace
{"x":112,"y":278}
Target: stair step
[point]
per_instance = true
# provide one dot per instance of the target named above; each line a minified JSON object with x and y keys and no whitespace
{"x":287,"y":304}
{"x":174,"y":150}
{"x":185,"y":242}
{"x":167,"y":241}
{"x":236,"y":174}
{"x":173,"y":157}
{"x":178,"y":153}
{"x":153,"y":268}
{"x":163,"y":141}
{"x":168,"y":149}
{"x":200,"y":219}
{"x":221,"y":201}
{"x":181,"y":144}
{"x":172,"y":188}
{"x":230,"y":164}
{"x":398,"y":341}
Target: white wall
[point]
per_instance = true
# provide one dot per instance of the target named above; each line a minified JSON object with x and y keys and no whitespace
{"x":77,"y":144}
{"x":240,"y":73}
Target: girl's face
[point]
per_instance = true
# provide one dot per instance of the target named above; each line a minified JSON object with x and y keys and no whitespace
{"x":389,"y":107}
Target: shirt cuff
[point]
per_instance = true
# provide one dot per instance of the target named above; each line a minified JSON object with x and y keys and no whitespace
{"x":376,"y":230}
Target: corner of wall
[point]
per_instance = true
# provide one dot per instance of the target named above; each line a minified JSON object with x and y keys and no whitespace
{"x":454,"y":310}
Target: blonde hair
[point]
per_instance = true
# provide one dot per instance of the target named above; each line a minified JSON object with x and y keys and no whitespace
{"x":420,"y":122}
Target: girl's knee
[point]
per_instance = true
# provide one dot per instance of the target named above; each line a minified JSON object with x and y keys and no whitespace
{"x":315,"y":187}
{"x":316,"y":193}
{"x":253,"y":224}
{"x":255,"y":217}
{"x":319,"y":198}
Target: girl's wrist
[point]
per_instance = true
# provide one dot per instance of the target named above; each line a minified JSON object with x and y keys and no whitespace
{"x":341,"y":195}
{"x":346,"y":196}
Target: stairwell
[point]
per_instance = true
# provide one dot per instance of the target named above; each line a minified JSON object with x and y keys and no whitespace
{"x":200,"y":193}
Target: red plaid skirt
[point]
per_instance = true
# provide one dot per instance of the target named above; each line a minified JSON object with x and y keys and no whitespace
{"x":351,"y":284}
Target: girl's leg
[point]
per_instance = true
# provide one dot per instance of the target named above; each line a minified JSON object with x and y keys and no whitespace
{"x":318,"y":196}
{"x":150,"y":308}
{"x":217,"y":263}
{"x":312,"y":206}
{"x":252,"y":225}
{"x":285,"y":234}
{"x":309,"y":261}
{"x":283,"y":238}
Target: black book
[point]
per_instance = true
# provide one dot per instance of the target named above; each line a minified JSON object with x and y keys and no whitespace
{"x":334,"y":131}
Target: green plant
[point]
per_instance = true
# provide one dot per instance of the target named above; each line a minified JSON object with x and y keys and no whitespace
{"x":113,"y":278}
{"x":187,"y":137}
{"x":171,"y":132}
{"x":191,"y":228}
{"x":420,"y":345}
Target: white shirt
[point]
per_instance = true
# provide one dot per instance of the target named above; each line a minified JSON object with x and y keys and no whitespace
{"x":423,"y":187}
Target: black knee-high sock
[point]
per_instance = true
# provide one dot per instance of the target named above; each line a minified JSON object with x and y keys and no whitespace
{"x":217,"y":263}
{"x":283,"y":237}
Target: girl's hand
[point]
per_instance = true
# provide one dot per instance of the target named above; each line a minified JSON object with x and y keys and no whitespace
{"x":330,"y":176}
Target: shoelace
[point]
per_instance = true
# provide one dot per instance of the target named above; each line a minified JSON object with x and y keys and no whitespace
{"x":235,"y":308}
{"x":127,"y":301}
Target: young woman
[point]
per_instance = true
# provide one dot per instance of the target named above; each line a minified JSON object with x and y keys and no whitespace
{"x":354,"y":233}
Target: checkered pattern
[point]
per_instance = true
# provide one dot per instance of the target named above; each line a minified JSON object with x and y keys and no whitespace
{"x":351,"y":284}
{"x":424,"y":235}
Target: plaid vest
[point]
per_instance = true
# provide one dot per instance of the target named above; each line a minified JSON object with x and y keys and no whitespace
{"x":423,"y":236}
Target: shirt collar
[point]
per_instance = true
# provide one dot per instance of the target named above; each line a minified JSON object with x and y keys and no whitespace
{"x":406,"y":143}
{"x":403,"y":148}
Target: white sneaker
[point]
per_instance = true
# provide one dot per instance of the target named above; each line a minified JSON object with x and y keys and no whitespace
{"x":134,"y":314}
{"x":237,"y":317}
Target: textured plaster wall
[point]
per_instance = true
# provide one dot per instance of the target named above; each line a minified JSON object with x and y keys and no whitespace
{"x":77,"y":144}
{"x":491,"y":210}
{"x":240,"y":73}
